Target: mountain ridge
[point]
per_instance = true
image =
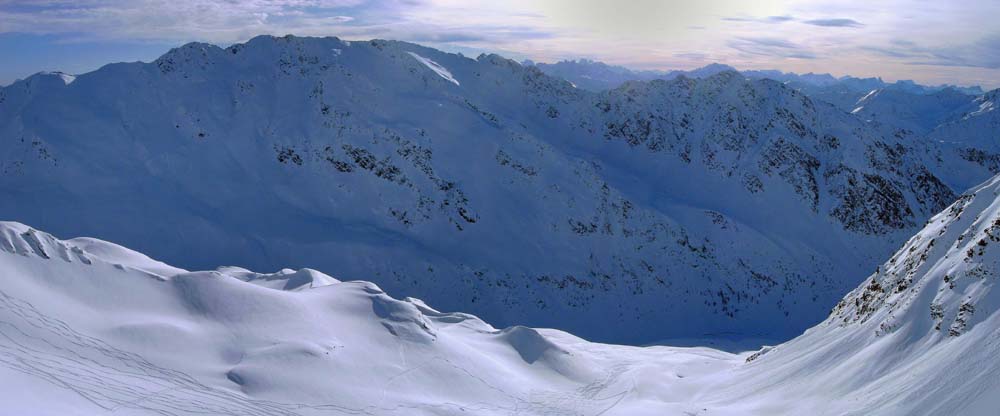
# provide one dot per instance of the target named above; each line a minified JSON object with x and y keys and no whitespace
{"x":333,"y":155}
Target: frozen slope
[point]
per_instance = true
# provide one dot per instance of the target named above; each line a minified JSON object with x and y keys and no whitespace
{"x":88,"y":327}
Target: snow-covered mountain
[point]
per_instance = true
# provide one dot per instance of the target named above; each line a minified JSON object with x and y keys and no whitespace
{"x":598,"y":76}
{"x":658,"y":209}
{"x":970,"y":142}
{"x":919,"y":113}
{"x":594,"y":75}
{"x":90,"y":327}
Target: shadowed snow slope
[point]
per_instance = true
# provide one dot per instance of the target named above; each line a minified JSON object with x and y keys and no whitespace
{"x":88,"y":327}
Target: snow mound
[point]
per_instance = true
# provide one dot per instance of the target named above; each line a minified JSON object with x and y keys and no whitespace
{"x":437,"y":68}
{"x":529,"y":344}
{"x":286,"y":279}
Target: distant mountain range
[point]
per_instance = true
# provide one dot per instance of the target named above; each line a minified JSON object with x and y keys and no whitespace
{"x":599,"y":76}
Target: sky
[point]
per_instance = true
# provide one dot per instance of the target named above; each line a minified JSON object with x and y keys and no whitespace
{"x":932,"y":42}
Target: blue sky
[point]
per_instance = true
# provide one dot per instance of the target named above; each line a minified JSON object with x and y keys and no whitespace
{"x":929,"y":41}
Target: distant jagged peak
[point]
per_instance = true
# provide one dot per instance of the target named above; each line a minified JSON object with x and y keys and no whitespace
{"x":192,"y":49}
{"x":709,"y":70}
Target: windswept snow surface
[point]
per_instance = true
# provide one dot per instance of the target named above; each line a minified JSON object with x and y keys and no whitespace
{"x":88,"y":327}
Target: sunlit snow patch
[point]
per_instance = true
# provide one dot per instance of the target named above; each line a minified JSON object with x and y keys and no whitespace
{"x":867,"y":96}
{"x":984,"y":107}
{"x":437,"y":68}
{"x":66,"y":78}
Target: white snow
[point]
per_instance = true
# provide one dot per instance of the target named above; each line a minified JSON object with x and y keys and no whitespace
{"x":984,"y":107}
{"x":867,"y":96}
{"x":89,"y":327}
{"x":67,"y":78}
{"x":437,"y":68}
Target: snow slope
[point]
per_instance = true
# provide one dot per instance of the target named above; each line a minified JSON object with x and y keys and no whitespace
{"x":917,"y":337}
{"x":717,"y":205}
{"x":88,"y":327}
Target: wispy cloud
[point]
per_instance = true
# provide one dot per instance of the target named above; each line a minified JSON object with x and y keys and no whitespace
{"x":825,"y":22}
{"x":982,"y":53}
{"x":840,"y":22}
{"x":771,"y":47}
{"x":768,"y":19}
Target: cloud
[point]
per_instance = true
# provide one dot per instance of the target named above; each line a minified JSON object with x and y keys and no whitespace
{"x":828,"y":22}
{"x":841,"y":22}
{"x":981,"y":53}
{"x":768,"y":19}
{"x":771,"y":47}
{"x":183,"y":20}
